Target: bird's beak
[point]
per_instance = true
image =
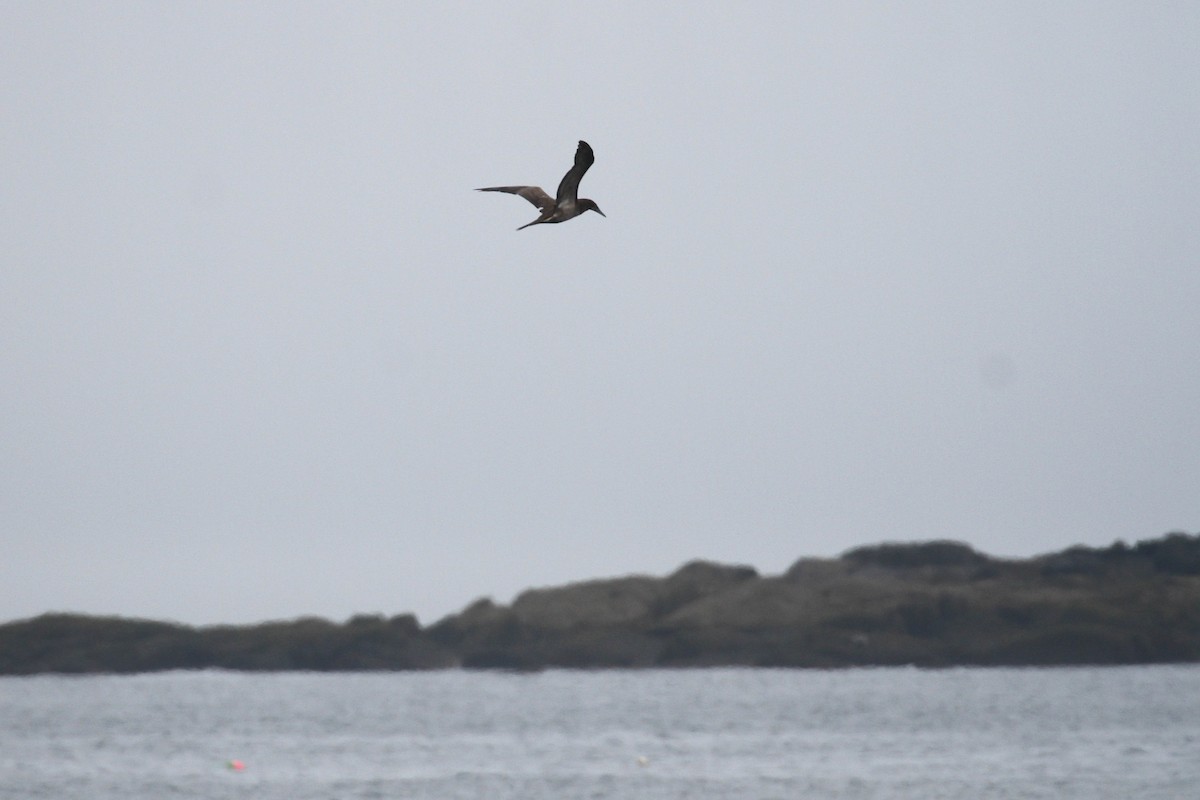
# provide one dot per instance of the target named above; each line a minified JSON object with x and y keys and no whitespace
{"x":601,"y":213}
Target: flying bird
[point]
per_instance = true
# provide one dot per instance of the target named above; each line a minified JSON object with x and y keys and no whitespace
{"x":568,"y":204}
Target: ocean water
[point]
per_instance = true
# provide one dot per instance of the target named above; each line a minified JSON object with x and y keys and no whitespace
{"x":744,"y":734}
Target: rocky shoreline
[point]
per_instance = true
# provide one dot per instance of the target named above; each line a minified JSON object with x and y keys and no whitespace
{"x":931,"y":604}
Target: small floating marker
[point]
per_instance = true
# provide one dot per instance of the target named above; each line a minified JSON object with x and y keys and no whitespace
{"x":642,"y":761}
{"x":236,"y":765}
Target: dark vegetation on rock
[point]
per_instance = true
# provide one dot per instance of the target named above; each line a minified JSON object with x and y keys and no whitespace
{"x":928,"y":603}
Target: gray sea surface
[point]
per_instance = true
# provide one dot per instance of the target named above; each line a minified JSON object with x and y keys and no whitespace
{"x":865,"y":733}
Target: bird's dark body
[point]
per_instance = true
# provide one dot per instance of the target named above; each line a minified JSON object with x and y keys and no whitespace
{"x":567,"y":204}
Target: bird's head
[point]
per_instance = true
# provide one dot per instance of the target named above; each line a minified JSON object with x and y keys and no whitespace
{"x":590,"y":205}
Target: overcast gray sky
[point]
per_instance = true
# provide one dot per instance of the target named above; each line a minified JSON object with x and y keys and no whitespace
{"x":870,"y":272}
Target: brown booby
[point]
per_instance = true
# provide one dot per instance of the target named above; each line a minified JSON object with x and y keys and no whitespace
{"x":568,"y":204}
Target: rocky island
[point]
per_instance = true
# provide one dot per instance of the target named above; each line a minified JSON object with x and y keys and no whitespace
{"x":929,"y":604}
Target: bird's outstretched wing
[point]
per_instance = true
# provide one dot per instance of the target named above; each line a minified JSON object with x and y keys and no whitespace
{"x":568,"y":189}
{"x":533,"y":194}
